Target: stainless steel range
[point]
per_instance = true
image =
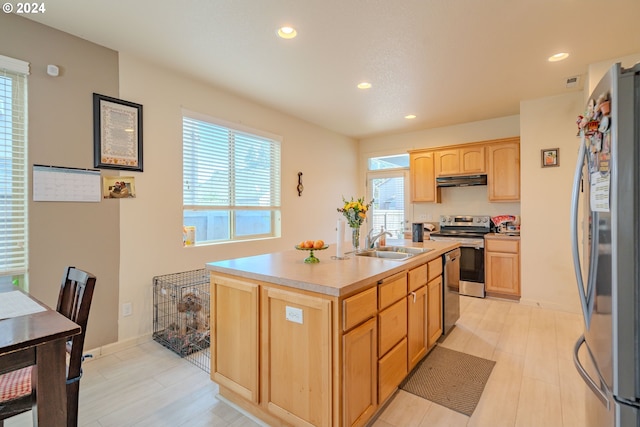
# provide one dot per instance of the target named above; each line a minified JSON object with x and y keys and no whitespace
{"x":469,"y":230}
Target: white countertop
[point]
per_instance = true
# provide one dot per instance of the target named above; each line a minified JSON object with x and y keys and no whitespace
{"x":330,"y":276}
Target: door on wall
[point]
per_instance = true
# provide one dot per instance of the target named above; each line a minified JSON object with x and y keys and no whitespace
{"x":387,"y":189}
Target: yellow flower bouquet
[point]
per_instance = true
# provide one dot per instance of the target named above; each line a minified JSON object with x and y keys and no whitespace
{"x":355,"y":211}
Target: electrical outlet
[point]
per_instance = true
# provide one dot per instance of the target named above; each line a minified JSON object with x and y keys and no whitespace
{"x":422,"y":217}
{"x":293,"y":314}
{"x":127,"y":309}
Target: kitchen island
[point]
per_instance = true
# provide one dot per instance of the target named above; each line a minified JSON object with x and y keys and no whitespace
{"x":322,"y":344}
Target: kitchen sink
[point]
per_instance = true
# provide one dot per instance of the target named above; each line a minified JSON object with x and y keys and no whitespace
{"x":403,"y":249}
{"x":398,"y":256}
{"x":399,"y":253}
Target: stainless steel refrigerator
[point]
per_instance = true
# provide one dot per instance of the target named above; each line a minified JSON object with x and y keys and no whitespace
{"x":605,"y":223}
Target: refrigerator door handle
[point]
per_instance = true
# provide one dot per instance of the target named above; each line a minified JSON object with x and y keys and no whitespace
{"x":575,"y":197}
{"x":597,"y":390}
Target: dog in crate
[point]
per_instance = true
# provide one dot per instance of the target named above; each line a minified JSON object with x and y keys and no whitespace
{"x":193,"y":316}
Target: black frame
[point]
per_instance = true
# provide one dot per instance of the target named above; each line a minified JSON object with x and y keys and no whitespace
{"x":556,"y":155}
{"x":98,"y":127}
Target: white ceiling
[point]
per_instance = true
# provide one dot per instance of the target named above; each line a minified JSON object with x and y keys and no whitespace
{"x":446,"y":61}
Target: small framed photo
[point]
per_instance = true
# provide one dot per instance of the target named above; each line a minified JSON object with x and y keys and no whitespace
{"x":117,"y":134}
{"x":118,"y":187}
{"x":550,"y":157}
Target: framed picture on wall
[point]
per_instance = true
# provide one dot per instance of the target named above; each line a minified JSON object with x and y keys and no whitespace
{"x":550,"y":157}
{"x":117,"y":133}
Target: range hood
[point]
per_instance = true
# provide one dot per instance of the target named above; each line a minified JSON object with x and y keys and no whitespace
{"x":461,"y":181}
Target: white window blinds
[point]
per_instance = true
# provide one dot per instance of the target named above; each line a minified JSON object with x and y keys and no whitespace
{"x":13,"y":166}
{"x":233,"y":172}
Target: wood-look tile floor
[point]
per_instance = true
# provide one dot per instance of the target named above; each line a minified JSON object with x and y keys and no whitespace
{"x":533,"y":384}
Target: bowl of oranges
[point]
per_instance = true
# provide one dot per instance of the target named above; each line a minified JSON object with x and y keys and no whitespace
{"x":311,"y":245}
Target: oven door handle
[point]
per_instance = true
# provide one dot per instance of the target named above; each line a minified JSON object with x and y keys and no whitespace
{"x":479,"y":245}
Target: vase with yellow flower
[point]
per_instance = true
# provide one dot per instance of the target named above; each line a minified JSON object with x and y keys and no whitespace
{"x":355,"y":211}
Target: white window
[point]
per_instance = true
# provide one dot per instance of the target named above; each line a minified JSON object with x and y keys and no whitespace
{"x":13,"y":170}
{"x":231,"y":181}
{"x":387,"y":183}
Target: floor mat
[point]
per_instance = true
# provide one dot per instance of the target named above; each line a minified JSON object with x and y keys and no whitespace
{"x":450,"y":378}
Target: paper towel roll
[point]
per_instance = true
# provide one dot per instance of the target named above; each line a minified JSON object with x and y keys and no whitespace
{"x":340,"y":239}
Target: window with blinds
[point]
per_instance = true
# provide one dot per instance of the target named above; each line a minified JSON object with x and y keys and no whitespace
{"x":13,"y":170}
{"x":231,"y":181}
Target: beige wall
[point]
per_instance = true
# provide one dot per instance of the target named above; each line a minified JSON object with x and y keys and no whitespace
{"x":546,"y":264}
{"x":60,"y":133}
{"x":151,"y":225}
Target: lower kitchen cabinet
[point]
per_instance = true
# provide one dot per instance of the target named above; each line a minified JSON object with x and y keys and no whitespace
{"x":360,"y":386}
{"x":296,"y":361}
{"x":293,"y":357}
{"x":502,"y":266}
{"x":392,"y":369}
{"x":417,"y":337}
{"x":234,"y":352}
{"x":434,"y":310}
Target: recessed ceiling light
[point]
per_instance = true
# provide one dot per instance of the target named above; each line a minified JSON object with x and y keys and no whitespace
{"x":364,"y":85}
{"x":558,"y":57}
{"x":410,"y":116}
{"x":287,"y":32}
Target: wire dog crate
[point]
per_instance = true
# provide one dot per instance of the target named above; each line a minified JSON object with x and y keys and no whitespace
{"x":181,"y":315}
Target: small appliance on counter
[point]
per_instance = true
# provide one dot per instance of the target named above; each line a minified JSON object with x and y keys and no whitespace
{"x":507,"y":224}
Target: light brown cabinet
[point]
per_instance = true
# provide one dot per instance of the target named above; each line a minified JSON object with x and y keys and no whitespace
{"x":503,"y":178}
{"x":392,"y":334}
{"x":434,"y":301}
{"x":360,"y":357}
{"x":460,"y":161}
{"x":360,"y":386}
{"x":296,"y":349}
{"x":434,"y":310}
{"x":502,"y":266}
{"x":295,"y":357}
{"x":417,"y":339}
{"x":416,"y":315}
{"x":499,"y":159}
{"x":234,"y":323}
{"x":423,"y":178}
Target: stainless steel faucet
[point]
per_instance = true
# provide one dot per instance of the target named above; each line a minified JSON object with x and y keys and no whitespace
{"x":370,"y":240}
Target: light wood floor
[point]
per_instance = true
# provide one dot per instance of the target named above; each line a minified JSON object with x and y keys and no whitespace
{"x":533,"y":384}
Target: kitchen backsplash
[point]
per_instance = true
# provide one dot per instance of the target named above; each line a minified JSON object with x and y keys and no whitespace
{"x":462,"y":201}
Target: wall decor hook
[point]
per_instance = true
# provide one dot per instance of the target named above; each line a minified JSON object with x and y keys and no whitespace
{"x":300,"y":186}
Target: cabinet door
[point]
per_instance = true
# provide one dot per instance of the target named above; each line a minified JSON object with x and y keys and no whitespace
{"x":417,"y":339}
{"x":392,"y":370}
{"x":503,"y":177}
{"x":234,"y":347}
{"x":423,"y":178}
{"x":472,"y":160}
{"x":296,"y":350}
{"x":447,"y":162}
{"x":434,"y":310}
{"x":503,"y":273}
{"x":360,"y":385}
{"x":392,"y":324}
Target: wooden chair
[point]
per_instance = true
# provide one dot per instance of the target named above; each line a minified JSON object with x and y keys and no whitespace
{"x":17,"y":388}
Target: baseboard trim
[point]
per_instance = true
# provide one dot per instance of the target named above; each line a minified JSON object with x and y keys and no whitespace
{"x":118,"y":346}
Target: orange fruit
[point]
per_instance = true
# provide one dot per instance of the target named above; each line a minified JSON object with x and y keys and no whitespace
{"x":318,"y":244}
{"x":308,"y":244}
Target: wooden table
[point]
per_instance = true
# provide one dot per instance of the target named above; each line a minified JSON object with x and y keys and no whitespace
{"x":39,"y":339}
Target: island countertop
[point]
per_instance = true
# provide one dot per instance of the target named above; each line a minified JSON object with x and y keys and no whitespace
{"x":332,"y":277}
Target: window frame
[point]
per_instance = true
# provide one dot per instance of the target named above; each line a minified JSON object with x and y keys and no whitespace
{"x":16,"y":270}
{"x":233,"y":208}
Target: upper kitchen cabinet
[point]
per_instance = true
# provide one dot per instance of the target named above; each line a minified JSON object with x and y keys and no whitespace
{"x":503,"y":177}
{"x":460,"y":161}
{"x":423,"y":178}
